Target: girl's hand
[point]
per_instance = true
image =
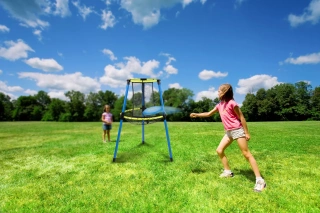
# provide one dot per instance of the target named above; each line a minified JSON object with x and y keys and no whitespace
{"x":247,"y":136}
{"x":193,"y":115}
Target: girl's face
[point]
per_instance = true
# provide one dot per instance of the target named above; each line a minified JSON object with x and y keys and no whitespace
{"x":107,"y":108}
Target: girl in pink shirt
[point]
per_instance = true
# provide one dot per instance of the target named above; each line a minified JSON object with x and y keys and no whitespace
{"x":106,"y":123}
{"x":236,"y":129}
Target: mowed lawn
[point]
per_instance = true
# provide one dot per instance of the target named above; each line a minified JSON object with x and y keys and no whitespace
{"x":65,"y":167}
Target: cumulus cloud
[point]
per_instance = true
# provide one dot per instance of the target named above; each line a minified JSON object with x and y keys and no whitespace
{"x":110,"y":54}
{"x":211,"y":93}
{"x":310,"y":14}
{"x":175,"y":85}
{"x":47,"y":65}
{"x":313,"y":58}
{"x":168,"y":67}
{"x":62,"y":8}
{"x":38,"y":34}
{"x":108,"y":19}
{"x":208,"y":74}
{"x":148,"y":13}
{"x":7,"y":89}
{"x":83,"y":10}
{"x":28,"y":11}
{"x":15,"y":50}
{"x":67,"y":82}
{"x":58,"y":94}
{"x":30,"y":92}
{"x":4,"y":28}
{"x":116,"y":75}
{"x":253,"y":84}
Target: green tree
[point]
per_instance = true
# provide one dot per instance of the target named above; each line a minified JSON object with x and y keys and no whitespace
{"x":6,"y":107}
{"x":250,"y":107}
{"x":315,"y":103}
{"x":76,"y":105}
{"x":25,"y":109}
{"x":303,"y":95}
{"x":56,"y":108}
{"x":286,"y":101}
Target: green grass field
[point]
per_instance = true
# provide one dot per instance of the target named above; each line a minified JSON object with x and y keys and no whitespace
{"x":65,"y":167}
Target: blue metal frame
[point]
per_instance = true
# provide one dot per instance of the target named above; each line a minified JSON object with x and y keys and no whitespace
{"x":122,"y":114}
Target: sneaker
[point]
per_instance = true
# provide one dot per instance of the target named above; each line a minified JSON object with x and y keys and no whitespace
{"x":260,"y":186}
{"x":104,"y":141}
{"x":225,"y":174}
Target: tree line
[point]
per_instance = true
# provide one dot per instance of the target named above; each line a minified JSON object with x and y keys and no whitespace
{"x":283,"y":102}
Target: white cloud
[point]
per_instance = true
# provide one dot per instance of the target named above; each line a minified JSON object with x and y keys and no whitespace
{"x":116,"y":75}
{"x":108,"y":19}
{"x":62,"y":8}
{"x":208,"y":74}
{"x":83,"y":10}
{"x":175,"y":85}
{"x":38,"y":34}
{"x":110,"y":54}
{"x":48,"y":65}
{"x":30,"y":92}
{"x":1,"y":72}
{"x":4,"y":87}
{"x":4,"y":28}
{"x":58,"y":94}
{"x":313,"y":58}
{"x":169,"y":68}
{"x":28,"y":11}
{"x":67,"y":82}
{"x":203,"y":1}
{"x":15,"y":50}
{"x":148,"y":13}
{"x":253,"y":84}
{"x":310,"y":14}
{"x":212,"y":93}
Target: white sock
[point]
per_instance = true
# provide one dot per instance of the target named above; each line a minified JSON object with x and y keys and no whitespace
{"x":228,"y":171}
{"x":258,"y":178}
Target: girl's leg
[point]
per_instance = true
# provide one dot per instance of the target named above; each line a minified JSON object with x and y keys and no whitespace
{"x":104,"y":135}
{"x":243,"y":145}
{"x":108,"y":133}
{"x":224,"y":143}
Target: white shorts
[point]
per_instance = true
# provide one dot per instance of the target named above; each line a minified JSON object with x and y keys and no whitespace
{"x":236,"y":133}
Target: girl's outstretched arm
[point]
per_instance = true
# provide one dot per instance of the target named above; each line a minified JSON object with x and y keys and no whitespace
{"x":204,"y":114}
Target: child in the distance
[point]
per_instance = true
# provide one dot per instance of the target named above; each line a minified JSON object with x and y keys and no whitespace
{"x":107,"y":123}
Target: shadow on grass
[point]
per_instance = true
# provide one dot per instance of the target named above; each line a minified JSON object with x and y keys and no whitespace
{"x":127,"y":157}
{"x":132,"y":155}
{"x":248,"y":173}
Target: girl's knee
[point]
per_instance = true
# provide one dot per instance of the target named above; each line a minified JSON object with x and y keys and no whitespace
{"x":246,"y":154}
{"x":219,"y":151}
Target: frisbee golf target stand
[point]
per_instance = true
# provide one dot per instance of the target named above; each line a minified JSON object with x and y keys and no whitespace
{"x":144,"y":111}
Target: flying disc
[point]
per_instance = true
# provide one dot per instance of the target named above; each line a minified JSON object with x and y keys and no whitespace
{"x":158,"y":109}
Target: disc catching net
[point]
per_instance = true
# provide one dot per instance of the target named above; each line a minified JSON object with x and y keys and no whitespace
{"x":143,"y":95}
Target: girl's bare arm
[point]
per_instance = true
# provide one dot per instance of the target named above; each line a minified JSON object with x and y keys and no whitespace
{"x":204,"y":114}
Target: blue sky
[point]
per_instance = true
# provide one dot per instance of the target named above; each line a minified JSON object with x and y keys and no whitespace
{"x":91,"y":45}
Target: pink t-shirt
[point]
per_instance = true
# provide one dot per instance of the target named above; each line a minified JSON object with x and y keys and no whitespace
{"x":229,"y":118}
{"x":107,"y":116}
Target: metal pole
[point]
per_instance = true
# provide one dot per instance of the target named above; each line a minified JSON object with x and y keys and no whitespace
{"x":121,"y":120}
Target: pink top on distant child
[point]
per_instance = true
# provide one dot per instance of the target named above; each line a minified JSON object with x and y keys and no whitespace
{"x":107,"y":116}
{"x":229,"y":118}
